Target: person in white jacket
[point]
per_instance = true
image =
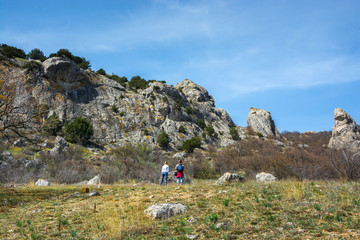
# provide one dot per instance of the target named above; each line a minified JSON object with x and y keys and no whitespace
{"x":164,"y":173}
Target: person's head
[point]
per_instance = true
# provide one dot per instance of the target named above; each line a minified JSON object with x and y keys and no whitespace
{"x":165,"y":162}
{"x":180,"y":162}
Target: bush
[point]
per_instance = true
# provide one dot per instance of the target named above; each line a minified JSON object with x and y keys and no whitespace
{"x":64,"y":52}
{"x":201,"y":123}
{"x":101,"y":72}
{"x":182,"y":129}
{"x":190,"y":145}
{"x":137,"y":82}
{"x":11,"y":52}
{"x":163,"y":140}
{"x":210,"y":131}
{"x":79,"y":130}
{"x":234,"y":133}
{"x":52,"y":125}
{"x":36,"y":54}
{"x":32,"y":65}
{"x":189,"y":110}
{"x":121,"y":80}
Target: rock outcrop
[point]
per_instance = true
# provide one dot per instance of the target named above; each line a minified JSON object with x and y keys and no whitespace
{"x":230,"y":177}
{"x":261,"y":122}
{"x":119,"y":114}
{"x":165,"y":210}
{"x":42,"y":183}
{"x":345,"y":133}
{"x":265,"y":177}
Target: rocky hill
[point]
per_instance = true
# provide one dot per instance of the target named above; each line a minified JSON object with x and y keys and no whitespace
{"x":119,"y":114}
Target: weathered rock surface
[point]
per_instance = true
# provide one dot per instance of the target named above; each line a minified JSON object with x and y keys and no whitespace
{"x":345,"y":133}
{"x":230,"y":177}
{"x":118,"y":114}
{"x":94,"y":193}
{"x":165,"y":210}
{"x":94,"y":181}
{"x":60,"y":145}
{"x":261,"y":122}
{"x":42,"y":182}
{"x":265,"y":177}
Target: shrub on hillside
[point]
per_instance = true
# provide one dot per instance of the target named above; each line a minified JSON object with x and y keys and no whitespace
{"x":101,"y":72}
{"x":190,"y":144}
{"x":52,"y":125}
{"x":163,"y":140}
{"x":182,"y":129}
{"x":79,"y":130}
{"x":210,"y":131}
{"x":201,"y":123}
{"x":36,"y":54}
{"x":234,"y":133}
{"x":11,"y":52}
{"x":137,"y":82}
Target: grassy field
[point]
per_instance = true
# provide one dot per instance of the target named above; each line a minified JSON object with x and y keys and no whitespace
{"x":250,"y":210}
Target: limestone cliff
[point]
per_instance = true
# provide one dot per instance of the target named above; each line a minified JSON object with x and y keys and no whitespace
{"x":118,"y":114}
{"x":345,"y":133}
{"x":261,"y":122}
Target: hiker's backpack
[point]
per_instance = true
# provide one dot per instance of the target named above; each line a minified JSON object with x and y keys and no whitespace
{"x":180,"y":167}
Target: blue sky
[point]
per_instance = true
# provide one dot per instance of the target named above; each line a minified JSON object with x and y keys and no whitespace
{"x":297,"y":59}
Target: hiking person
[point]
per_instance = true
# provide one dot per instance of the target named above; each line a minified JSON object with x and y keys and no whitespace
{"x":164,"y":173}
{"x":180,"y":172}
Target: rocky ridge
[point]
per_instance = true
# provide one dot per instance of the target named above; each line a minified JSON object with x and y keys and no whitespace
{"x":345,"y":133}
{"x":118,"y":114}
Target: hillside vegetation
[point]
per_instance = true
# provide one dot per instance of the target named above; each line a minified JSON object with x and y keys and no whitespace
{"x":250,"y":210}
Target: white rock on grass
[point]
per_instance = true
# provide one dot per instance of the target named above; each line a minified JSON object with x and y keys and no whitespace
{"x":230,"y":177}
{"x":265,"y":177}
{"x":165,"y":210}
{"x":42,"y":182}
{"x":94,"y":181}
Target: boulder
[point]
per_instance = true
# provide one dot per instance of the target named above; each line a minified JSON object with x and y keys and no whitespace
{"x":94,"y":193}
{"x":261,"y":122}
{"x":42,"y":182}
{"x":265,"y":177}
{"x":345,"y":133}
{"x":60,"y":145}
{"x":230,"y":177}
{"x":62,"y":70}
{"x":180,"y":155}
{"x":165,"y":210}
{"x":94,"y":181}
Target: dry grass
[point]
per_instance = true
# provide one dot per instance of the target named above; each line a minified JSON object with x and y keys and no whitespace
{"x":281,"y":210}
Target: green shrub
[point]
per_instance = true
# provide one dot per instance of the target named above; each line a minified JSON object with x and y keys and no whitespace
{"x":210,"y":131}
{"x":32,"y":65}
{"x":121,"y":80}
{"x":182,"y":129}
{"x":189,"y":110}
{"x":101,"y":72}
{"x":190,"y":144}
{"x":52,"y":125}
{"x":137,"y":82}
{"x":163,"y":140}
{"x":11,"y":52}
{"x":114,"y":109}
{"x":201,"y":123}
{"x":79,"y":130}
{"x":234,"y":133}
{"x":36,"y":54}
{"x":64,"y":52}
{"x":178,"y":104}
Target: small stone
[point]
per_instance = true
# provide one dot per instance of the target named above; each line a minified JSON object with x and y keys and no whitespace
{"x":192,"y":236}
{"x":75,"y":194}
{"x":42,"y":182}
{"x":165,"y":210}
{"x":265,"y":177}
{"x":36,"y":211}
{"x":152,"y":196}
{"x":94,"y":193}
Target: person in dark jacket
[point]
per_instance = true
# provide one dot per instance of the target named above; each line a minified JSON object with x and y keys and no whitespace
{"x":180,"y":172}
